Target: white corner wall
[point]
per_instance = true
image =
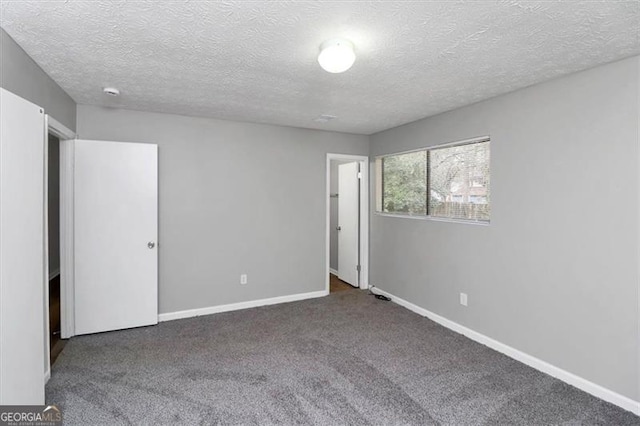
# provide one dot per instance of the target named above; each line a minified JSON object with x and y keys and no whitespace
{"x":555,"y":275}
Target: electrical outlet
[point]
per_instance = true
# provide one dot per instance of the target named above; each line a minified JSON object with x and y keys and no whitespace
{"x":243,"y":279}
{"x":463,"y":299}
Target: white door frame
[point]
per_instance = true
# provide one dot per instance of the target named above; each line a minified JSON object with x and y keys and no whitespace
{"x":62,"y":132}
{"x":67,"y":258}
{"x":59,"y":130}
{"x":364,"y":216}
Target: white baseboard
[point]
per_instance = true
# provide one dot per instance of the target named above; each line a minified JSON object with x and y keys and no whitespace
{"x":54,"y":274}
{"x":240,"y":305}
{"x":333,"y":271}
{"x":570,"y":378}
{"x":47,"y":375}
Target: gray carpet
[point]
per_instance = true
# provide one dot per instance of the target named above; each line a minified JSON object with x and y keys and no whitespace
{"x":343,"y":359}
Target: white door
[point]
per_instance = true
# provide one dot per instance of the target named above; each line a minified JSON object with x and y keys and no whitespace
{"x":115,"y":235}
{"x":348,"y":222}
{"x":22,"y":273}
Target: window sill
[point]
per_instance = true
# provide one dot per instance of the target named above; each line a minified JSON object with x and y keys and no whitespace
{"x":434,"y":219}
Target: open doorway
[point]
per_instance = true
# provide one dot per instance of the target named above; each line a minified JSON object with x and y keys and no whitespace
{"x":343,"y":225}
{"x":56,"y":344}
{"x":347,"y":222}
{"x":56,"y":245}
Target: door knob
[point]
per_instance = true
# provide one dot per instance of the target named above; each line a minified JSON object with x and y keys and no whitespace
{"x":151,"y":244}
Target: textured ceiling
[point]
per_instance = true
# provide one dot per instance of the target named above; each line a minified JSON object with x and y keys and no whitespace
{"x":256,"y":60}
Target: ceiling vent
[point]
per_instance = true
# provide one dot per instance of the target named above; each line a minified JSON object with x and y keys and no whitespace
{"x":325,"y":118}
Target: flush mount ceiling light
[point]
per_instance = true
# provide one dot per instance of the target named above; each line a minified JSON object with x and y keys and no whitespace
{"x":336,"y":55}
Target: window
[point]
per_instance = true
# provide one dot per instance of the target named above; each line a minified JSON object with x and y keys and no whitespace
{"x":405,"y":183}
{"x":455,"y":177}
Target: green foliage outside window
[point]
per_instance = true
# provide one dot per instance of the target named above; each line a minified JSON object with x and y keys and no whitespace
{"x":450,"y":182}
{"x":405,"y":183}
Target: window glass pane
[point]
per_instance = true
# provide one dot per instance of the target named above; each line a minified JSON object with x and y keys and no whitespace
{"x":404,"y":181}
{"x":459,"y":179}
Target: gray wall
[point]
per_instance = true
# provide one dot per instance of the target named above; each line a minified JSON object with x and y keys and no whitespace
{"x":21,"y":75}
{"x":555,"y":275}
{"x":234,"y":198}
{"x":54,"y":204}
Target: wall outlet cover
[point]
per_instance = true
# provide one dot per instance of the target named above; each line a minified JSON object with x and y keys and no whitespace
{"x":463,"y":299}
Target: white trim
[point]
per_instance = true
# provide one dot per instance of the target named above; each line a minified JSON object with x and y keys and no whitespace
{"x":54,"y":274}
{"x":67,"y":287}
{"x":47,"y":374}
{"x":190,"y":313}
{"x":540,"y":365}
{"x":638,"y":252}
{"x":432,"y":218}
{"x":364,"y":223}
{"x":364,"y":216}
{"x":469,"y":141}
{"x":333,"y":271}
{"x":45,"y":251}
{"x":59,"y":130}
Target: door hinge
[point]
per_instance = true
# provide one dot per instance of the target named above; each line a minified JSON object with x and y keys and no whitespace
{"x":358,"y":268}
{"x":359,"y":175}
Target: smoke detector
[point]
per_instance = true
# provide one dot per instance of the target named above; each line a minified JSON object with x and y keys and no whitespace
{"x":111,"y":91}
{"x":325,"y":118}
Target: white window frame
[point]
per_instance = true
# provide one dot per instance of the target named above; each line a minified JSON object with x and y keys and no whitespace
{"x":378,"y":184}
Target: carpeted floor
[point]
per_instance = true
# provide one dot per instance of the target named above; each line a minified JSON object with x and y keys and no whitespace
{"x":347,"y":358}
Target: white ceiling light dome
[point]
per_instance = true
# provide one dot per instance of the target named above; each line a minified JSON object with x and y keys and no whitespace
{"x":336,"y":55}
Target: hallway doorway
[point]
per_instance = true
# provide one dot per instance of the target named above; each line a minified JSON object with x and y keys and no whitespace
{"x":56,"y":343}
{"x":347,"y":222}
